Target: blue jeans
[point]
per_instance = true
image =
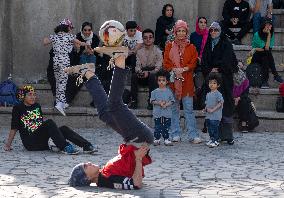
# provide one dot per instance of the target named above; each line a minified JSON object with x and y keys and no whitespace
{"x":257,"y":20}
{"x":213,"y":129}
{"x":113,"y":112}
{"x":190,"y":120}
{"x":87,"y":59}
{"x":162,"y":126}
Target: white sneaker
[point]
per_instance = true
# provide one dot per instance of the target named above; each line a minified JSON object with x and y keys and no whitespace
{"x":209,"y":142}
{"x":157,"y":142}
{"x":60,"y":107}
{"x":213,"y":144}
{"x":196,"y":140}
{"x":168,"y":142}
{"x":176,"y":139}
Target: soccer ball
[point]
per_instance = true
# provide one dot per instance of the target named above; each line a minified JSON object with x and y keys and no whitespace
{"x":112,"y":33}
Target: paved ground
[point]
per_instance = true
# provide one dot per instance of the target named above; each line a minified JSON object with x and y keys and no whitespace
{"x":253,"y":167}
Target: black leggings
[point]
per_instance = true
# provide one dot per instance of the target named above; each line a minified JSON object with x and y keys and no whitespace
{"x":265,"y":60}
{"x":39,"y":140}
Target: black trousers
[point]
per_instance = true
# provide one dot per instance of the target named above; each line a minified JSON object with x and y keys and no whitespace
{"x":130,"y":61}
{"x":245,"y":27}
{"x":150,"y":81}
{"x":265,"y":60}
{"x":39,"y":140}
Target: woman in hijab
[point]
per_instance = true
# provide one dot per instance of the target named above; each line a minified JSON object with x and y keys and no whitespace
{"x":180,"y":59}
{"x":164,"y":25}
{"x":198,"y":39}
{"x":218,"y":56}
{"x":86,"y":35}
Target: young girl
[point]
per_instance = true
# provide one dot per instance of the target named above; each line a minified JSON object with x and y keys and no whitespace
{"x":62,"y":42}
{"x":35,"y":132}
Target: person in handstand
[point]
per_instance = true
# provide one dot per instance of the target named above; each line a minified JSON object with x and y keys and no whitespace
{"x":125,"y":171}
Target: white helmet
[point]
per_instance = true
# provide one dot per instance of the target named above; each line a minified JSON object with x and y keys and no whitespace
{"x":112,"y":33}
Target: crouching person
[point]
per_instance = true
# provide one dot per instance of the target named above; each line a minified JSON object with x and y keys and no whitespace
{"x":125,"y":171}
{"x":35,"y":132}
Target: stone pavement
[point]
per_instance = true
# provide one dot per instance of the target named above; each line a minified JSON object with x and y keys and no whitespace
{"x":253,"y":167}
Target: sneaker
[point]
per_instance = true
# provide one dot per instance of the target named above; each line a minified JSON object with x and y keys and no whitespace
{"x":70,"y":150}
{"x":89,"y":149}
{"x":265,"y":85}
{"x":80,"y":69}
{"x":133,"y":105}
{"x":196,"y":140}
{"x":213,"y":144}
{"x":209,"y":142}
{"x":54,"y":148}
{"x":112,"y":51}
{"x":278,"y":78}
{"x":157,"y":142}
{"x":168,"y":142}
{"x":230,"y":142}
{"x":244,"y":129}
{"x":176,"y":139}
{"x":60,"y":107}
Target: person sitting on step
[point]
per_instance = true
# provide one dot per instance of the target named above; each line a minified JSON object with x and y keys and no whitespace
{"x":149,"y":61}
{"x":35,"y":132}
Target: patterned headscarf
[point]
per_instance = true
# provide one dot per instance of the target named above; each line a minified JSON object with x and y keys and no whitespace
{"x":78,"y":176}
{"x":66,"y":22}
{"x":24,"y":90}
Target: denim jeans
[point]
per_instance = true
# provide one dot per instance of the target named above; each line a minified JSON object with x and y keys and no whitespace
{"x":213,"y":129}
{"x":114,"y":112}
{"x":162,"y":126}
{"x":257,"y":20}
{"x":84,"y":58}
{"x":190,"y":120}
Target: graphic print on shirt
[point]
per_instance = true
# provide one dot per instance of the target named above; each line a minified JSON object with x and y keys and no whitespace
{"x":32,"y":120}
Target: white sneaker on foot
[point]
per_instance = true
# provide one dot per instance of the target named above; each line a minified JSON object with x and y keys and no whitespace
{"x":213,"y":144}
{"x":167,"y":142}
{"x":176,"y":139}
{"x":196,"y":140}
{"x":157,"y":142}
{"x":60,"y":107}
{"x":66,"y":105}
{"x":209,"y":142}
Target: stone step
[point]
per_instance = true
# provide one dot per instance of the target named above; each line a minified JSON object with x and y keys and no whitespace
{"x":86,"y":117}
{"x":247,"y":40}
{"x":243,"y":50}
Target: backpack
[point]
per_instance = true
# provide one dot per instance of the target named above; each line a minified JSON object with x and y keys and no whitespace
{"x":8,"y":93}
{"x":280,"y":104}
{"x":254,"y":75}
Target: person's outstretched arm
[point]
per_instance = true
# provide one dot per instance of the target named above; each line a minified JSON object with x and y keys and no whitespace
{"x":46,"y":41}
{"x":7,"y":146}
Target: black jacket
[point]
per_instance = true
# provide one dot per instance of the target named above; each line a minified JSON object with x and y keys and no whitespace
{"x":222,"y":57}
{"x":95,"y":42}
{"x":232,"y":9}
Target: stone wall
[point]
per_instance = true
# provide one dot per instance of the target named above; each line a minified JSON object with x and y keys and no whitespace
{"x":25,"y":23}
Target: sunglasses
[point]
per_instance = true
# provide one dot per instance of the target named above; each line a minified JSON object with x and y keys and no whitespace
{"x":87,"y":30}
{"x":213,"y":30}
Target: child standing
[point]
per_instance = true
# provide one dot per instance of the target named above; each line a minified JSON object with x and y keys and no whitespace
{"x":62,"y":42}
{"x":214,"y":105}
{"x":162,"y":99}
